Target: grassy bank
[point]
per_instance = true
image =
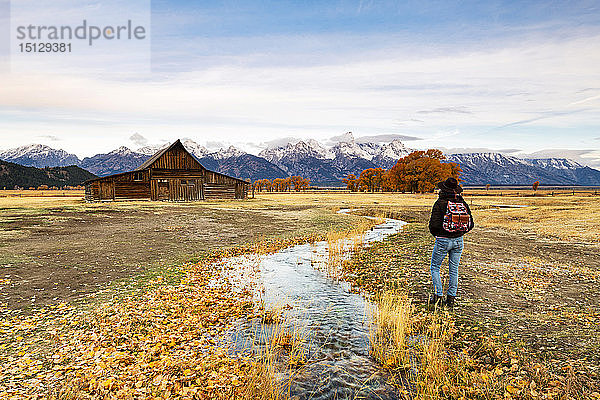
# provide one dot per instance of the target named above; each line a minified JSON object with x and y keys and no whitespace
{"x":490,"y":346}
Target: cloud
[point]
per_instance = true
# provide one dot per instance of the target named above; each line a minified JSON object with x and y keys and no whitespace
{"x":464,"y":150}
{"x":385,"y":138}
{"x":50,"y":137}
{"x":544,"y":115}
{"x":589,"y":89}
{"x":279,"y":142}
{"x":409,"y":122}
{"x":216,"y":145}
{"x":585,"y":100}
{"x":138,"y":139}
{"x":446,"y":110}
{"x":241,"y":102}
{"x":344,"y":137}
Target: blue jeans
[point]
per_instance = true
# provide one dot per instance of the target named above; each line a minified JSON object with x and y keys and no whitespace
{"x":454,"y":248}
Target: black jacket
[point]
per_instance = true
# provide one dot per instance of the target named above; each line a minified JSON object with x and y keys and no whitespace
{"x":438,"y":212}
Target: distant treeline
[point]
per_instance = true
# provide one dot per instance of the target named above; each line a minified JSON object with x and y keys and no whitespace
{"x":15,"y":176}
{"x":296,"y":183}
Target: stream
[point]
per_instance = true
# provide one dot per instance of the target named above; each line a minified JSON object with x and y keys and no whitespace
{"x":331,"y":319}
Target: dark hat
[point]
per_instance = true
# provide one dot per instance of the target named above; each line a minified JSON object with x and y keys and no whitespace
{"x":450,"y":185}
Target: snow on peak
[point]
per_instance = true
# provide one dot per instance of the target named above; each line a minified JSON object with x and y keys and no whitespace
{"x":352,"y":149}
{"x":197,"y":150}
{"x":346,"y":137}
{"x":557,"y":163}
{"x":393,"y":150}
{"x":319,"y":150}
{"x":152,"y":149}
{"x":477,"y":158}
{"x":308,"y":148}
{"x":39,"y":155}
{"x":122,"y":151}
{"x":227,"y":153}
{"x":31,"y":150}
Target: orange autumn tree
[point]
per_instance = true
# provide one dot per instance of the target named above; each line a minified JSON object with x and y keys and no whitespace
{"x":420,"y":171}
{"x":280,"y":184}
{"x":371,"y":179}
{"x":299,"y":183}
{"x":351,"y":183}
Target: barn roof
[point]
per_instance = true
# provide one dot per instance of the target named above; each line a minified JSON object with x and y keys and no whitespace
{"x":160,"y":153}
{"x":155,"y":157}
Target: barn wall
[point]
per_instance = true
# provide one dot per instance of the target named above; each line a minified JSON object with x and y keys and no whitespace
{"x":175,"y":176}
{"x":214,"y":191}
{"x":219,"y":186}
{"x":132,"y":190}
{"x":89,"y":192}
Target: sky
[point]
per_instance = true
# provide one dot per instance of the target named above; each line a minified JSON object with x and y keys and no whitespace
{"x":515,"y":77}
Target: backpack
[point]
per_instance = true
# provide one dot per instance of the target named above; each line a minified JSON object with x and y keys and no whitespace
{"x":457,"y":218}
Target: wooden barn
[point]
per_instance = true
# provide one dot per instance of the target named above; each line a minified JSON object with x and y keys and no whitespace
{"x":172,"y":174}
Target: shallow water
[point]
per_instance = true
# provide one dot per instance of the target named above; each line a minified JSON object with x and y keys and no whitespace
{"x":332,"y":318}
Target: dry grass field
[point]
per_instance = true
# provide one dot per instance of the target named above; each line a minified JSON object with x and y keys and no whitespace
{"x":59,"y":247}
{"x":56,"y":249}
{"x":529,"y":281}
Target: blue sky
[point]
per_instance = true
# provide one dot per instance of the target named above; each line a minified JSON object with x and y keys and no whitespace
{"x":457,"y":75}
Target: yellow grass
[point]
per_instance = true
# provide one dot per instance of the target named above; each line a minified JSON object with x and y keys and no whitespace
{"x":575,"y":218}
{"x":564,"y":216}
{"x":434,"y":372}
{"x":391,"y":323}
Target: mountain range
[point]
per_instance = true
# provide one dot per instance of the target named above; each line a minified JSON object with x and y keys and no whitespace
{"x":323,"y":165}
{"x":500,"y":169}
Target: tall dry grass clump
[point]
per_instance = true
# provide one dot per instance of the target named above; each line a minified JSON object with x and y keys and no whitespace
{"x":418,"y":346}
{"x":342,"y":244}
{"x":280,"y":351}
{"x":391,"y":324}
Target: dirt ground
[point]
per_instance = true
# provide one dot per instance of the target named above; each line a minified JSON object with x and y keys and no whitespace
{"x":62,"y":250}
{"x":527,"y":277}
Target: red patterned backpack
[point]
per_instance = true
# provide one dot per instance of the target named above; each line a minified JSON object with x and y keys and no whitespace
{"x":457,"y":218}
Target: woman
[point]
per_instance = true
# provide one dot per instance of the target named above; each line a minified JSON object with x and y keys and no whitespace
{"x":450,"y":219}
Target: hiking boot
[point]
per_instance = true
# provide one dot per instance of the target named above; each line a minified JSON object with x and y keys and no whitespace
{"x":435,"y":301}
{"x":449,"y":303}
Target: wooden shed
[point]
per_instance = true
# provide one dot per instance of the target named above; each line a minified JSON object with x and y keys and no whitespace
{"x":172,"y":174}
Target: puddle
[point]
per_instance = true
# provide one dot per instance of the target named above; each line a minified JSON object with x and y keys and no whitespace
{"x":324,"y":310}
{"x":508,"y":206}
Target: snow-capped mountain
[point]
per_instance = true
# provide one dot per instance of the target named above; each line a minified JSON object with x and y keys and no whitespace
{"x":500,"y":169}
{"x":310,"y":148}
{"x":229,"y":152}
{"x":329,"y":166}
{"x":558,"y":163}
{"x":117,"y":161}
{"x":390,"y":153}
{"x":351,"y":149}
{"x":235,"y":162}
{"x":196,"y":149}
{"x":39,"y":155}
{"x":151,"y":150}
